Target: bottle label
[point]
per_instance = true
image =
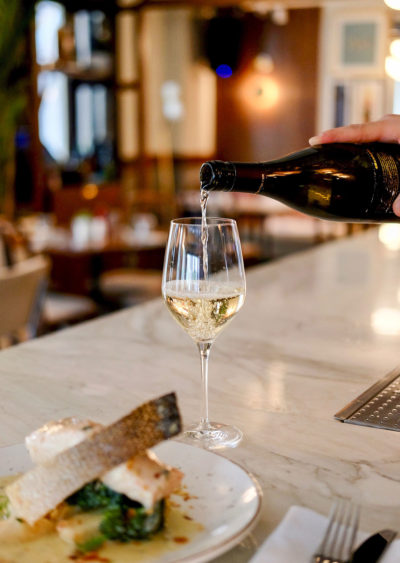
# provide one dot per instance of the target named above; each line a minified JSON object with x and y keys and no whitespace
{"x":386,"y":192}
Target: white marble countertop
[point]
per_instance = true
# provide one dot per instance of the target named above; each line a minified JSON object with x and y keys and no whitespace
{"x":316,"y":330}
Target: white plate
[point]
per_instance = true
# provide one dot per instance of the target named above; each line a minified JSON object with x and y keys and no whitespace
{"x":224,"y":498}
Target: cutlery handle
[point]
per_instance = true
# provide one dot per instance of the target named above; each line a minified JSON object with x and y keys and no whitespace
{"x":372,"y":549}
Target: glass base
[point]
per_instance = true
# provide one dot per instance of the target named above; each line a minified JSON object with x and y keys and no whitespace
{"x":212,"y":436}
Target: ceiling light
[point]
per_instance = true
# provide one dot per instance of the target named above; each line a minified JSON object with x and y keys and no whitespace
{"x":394,"y":4}
{"x":260,"y":7}
{"x":280,"y":16}
{"x":395,"y":48}
{"x":392,"y":67}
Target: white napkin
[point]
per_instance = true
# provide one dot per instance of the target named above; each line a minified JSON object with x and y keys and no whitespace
{"x":299,"y":535}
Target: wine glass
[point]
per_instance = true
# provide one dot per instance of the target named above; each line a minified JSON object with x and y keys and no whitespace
{"x":204,"y":287}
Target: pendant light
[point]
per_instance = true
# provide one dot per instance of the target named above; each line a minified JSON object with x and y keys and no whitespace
{"x":394,"y":4}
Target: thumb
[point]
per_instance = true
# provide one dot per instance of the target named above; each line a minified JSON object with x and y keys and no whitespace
{"x":396,"y":206}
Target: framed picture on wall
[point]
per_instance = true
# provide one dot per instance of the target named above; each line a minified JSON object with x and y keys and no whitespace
{"x":340,"y":99}
{"x":353,"y":46}
{"x":358,"y":48}
{"x":358,"y":101}
{"x":366,"y":101}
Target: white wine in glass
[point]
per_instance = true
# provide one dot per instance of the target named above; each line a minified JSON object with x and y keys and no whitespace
{"x":204,"y":292}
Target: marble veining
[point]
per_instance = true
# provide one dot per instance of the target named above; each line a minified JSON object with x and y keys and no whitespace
{"x":316,"y":330}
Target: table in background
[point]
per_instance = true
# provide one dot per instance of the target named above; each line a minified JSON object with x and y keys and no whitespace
{"x":317,"y":329}
{"x":76,"y":268}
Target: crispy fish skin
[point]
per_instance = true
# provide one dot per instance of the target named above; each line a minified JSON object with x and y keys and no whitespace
{"x":143,"y":478}
{"x":56,"y":436}
{"x":42,"y":488}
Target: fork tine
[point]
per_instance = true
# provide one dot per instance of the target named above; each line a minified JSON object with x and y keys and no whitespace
{"x":344,"y":529}
{"x":337,"y":530}
{"x":355,"y":528}
{"x":349,"y":531}
{"x":322,"y":549}
{"x":339,"y":538}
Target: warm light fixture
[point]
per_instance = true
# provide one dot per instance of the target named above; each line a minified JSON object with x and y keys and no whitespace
{"x":392,"y":62}
{"x":280,"y":15}
{"x":395,"y":48}
{"x":259,"y":92}
{"x":260,"y":7}
{"x":392,"y":67}
{"x":90,"y":191}
{"x":389,"y":235}
{"x":394,"y":4}
{"x":386,"y":321}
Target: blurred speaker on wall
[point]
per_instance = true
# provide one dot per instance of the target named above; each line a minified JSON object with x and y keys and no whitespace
{"x":222,"y":39}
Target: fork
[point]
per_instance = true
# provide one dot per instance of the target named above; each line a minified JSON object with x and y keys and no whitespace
{"x":338,"y":541}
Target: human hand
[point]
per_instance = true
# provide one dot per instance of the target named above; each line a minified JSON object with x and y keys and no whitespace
{"x":385,"y":130}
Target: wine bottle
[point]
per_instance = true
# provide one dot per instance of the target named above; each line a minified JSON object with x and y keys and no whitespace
{"x":341,"y":182}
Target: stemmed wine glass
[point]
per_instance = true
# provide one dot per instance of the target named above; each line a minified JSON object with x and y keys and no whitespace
{"x":204,"y":287}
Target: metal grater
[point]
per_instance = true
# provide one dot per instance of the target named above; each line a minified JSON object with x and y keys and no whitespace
{"x":378,"y":406}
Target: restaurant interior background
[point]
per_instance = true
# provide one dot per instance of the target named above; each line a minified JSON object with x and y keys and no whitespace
{"x":109,"y":108}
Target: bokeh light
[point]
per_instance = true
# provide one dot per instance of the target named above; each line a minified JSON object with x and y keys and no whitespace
{"x":395,"y":4}
{"x":389,"y":235}
{"x":224,"y":71}
{"x":259,"y":92}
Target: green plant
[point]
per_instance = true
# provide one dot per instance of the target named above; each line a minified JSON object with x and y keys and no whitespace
{"x":15,"y":18}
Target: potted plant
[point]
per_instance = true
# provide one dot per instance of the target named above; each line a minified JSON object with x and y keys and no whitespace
{"x":15,"y":17}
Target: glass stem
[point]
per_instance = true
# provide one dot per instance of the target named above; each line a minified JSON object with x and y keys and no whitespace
{"x":204,"y":349}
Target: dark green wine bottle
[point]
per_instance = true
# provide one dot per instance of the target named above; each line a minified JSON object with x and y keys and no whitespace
{"x":342,"y":182}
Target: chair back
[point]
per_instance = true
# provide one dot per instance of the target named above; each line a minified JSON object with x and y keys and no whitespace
{"x":21,"y":289}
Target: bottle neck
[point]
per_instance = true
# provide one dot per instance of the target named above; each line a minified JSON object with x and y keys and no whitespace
{"x":253,"y":177}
